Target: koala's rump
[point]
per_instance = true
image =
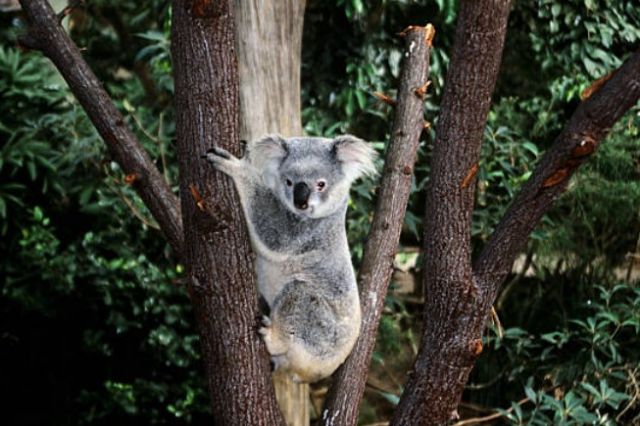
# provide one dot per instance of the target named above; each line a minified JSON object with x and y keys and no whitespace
{"x":321,"y":323}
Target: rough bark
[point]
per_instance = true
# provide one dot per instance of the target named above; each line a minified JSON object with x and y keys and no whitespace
{"x":345,"y":394}
{"x":451,"y":331}
{"x":269,"y":41}
{"x":217,"y":256}
{"x":47,"y":35}
{"x":586,"y":129}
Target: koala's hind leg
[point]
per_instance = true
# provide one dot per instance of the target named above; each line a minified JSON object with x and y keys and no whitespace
{"x":277,"y":343}
{"x":303,"y":330}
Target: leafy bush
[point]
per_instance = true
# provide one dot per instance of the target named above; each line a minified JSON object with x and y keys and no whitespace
{"x":96,"y":325}
{"x":579,"y":371}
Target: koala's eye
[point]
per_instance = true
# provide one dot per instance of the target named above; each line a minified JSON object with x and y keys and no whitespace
{"x":320,"y":185}
{"x":289,"y":183}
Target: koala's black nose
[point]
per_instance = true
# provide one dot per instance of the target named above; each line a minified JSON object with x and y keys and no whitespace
{"x":301,"y":195}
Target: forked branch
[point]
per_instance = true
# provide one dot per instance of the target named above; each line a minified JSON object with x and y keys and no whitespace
{"x":586,"y":129}
{"x":451,"y":338}
{"x":341,"y":407}
{"x":47,"y":35}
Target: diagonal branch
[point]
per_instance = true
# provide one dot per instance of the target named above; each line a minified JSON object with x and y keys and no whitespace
{"x":47,"y":35}
{"x":374,"y":275}
{"x":586,"y":129}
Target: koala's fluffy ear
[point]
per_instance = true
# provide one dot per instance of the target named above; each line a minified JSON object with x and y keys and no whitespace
{"x":267,"y":152}
{"x":266,"y":155}
{"x":355,"y":155}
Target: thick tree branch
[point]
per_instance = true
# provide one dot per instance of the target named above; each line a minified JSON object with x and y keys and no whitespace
{"x":216,"y":250}
{"x":342,"y":403}
{"x":581,"y":136}
{"x":450,"y":340}
{"x":47,"y":35}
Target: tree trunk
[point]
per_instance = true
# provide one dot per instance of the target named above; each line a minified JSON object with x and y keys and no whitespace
{"x":459,"y":296}
{"x":216,"y":248}
{"x":269,"y":41}
{"x":453,"y":318}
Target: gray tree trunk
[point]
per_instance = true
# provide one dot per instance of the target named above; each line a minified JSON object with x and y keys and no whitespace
{"x":269,"y":42}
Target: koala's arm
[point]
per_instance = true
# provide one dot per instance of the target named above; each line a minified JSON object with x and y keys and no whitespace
{"x":261,"y":157}
{"x":249,"y":180}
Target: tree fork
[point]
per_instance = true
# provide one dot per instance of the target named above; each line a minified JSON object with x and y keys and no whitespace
{"x":586,"y":129}
{"x":47,"y":35}
{"x":342,"y":403}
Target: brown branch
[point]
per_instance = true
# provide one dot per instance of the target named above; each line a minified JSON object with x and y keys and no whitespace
{"x":47,"y":35}
{"x":451,"y":332}
{"x":586,"y":129}
{"x":385,"y":98}
{"x":341,"y":406}
{"x":636,"y":394}
{"x":197,"y":197}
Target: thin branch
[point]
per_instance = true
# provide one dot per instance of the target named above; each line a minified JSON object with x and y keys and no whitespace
{"x":636,"y":393}
{"x":341,"y":406}
{"x":385,"y":98}
{"x":130,"y":204}
{"x":586,"y":129}
{"x":477,"y":420}
{"x":46,"y":34}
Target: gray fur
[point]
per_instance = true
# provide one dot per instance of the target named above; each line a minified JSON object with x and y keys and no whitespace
{"x":302,"y":258}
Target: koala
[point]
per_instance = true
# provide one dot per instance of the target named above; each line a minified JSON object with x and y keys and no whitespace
{"x":294,"y":194}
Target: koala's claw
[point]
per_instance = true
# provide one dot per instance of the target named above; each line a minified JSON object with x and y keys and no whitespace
{"x":217,"y":151}
{"x":224,"y":161}
{"x":266,"y":321}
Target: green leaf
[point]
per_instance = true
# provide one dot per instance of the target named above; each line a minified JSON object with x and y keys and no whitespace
{"x":362,"y":99}
{"x":37,"y":214}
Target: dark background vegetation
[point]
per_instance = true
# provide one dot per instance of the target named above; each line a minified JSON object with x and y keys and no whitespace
{"x":95,"y":322}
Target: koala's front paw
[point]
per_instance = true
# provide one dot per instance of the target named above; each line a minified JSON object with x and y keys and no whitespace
{"x":222,"y":160}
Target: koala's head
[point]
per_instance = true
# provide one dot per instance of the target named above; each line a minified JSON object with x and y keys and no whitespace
{"x":312,"y":176}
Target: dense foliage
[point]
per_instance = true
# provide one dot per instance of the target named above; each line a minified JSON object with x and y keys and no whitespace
{"x":96,"y":325}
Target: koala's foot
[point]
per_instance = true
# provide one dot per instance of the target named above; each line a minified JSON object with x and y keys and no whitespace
{"x":223,"y":160}
{"x":276,"y":344}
